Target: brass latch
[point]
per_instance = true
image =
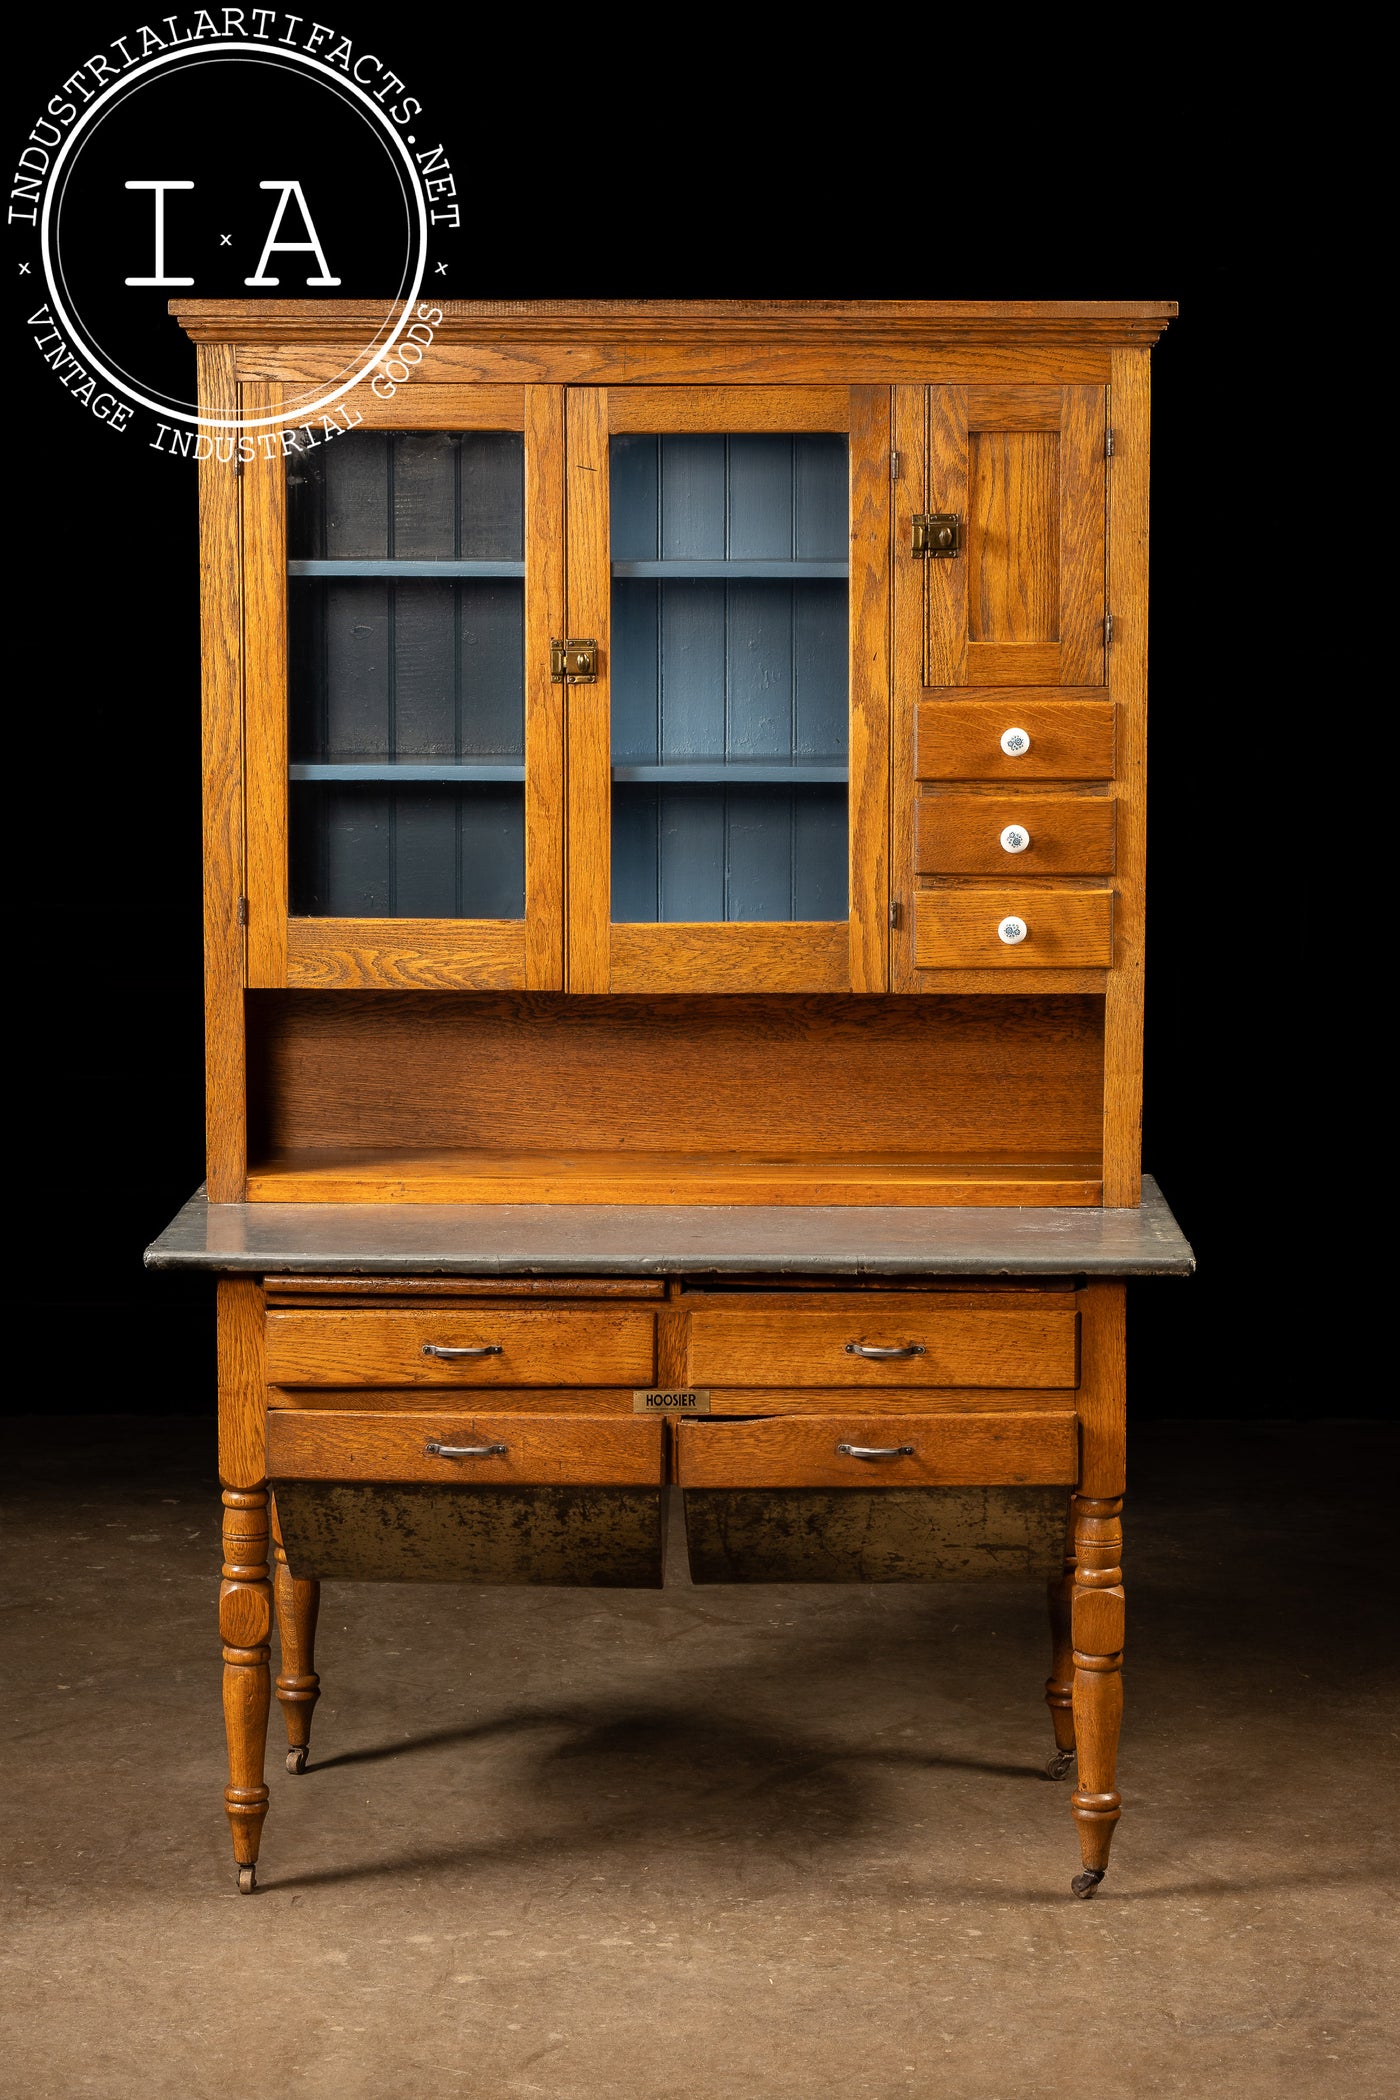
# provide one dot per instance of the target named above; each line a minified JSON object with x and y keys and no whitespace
{"x":936,"y":537}
{"x":574,"y":662}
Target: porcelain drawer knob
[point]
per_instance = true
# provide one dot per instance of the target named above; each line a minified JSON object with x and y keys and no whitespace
{"x":1015,"y":839}
{"x":1012,"y":930}
{"x":1015,"y":743}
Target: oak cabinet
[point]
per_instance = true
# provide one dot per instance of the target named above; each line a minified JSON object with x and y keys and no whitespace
{"x":678,"y":768}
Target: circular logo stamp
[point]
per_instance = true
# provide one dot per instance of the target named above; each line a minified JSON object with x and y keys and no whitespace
{"x":243,"y":155}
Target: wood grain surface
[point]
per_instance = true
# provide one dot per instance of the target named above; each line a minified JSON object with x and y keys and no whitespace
{"x":1071,"y":737}
{"x":1128,"y":593}
{"x":958,"y":927}
{"x":806,"y":1345}
{"x":560,"y":1346}
{"x":961,"y":834}
{"x":543,"y":1450}
{"x":948,"y":1451}
{"x":938,"y":1078}
{"x":221,"y":661}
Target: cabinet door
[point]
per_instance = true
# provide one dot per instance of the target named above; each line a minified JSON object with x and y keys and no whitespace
{"x":728,"y":768}
{"x":1004,"y":807}
{"x":405,"y":744}
{"x":1021,"y":468}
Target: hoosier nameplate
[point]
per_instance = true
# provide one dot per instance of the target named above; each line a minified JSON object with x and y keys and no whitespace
{"x":652,"y":1400}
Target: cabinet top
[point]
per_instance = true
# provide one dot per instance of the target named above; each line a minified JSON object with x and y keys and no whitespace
{"x":585,"y":1239}
{"x":922,"y":321}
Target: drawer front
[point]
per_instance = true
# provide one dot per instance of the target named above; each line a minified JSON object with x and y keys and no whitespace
{"x":1068,"y":739}
{"x":1062,"y":835}
{"x":1064,"y":929}
{"x":551,"y":1346}
{"x":791,"y":1347}
{"x":480,"y":1450}
{"x":914,"y":1451}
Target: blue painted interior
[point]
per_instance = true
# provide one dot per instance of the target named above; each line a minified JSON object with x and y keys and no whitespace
{"x":407,"y":676}
{"x":729,"y":652}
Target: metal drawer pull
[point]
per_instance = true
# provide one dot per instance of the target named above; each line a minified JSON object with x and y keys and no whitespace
{"x":866,"y":1450}
{"x":466,"y":1450}
{"x":878,"y":1355}
{"x":485,"y":1349}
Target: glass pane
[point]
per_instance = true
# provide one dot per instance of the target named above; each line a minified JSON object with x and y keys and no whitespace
{"x":729,"y":677}
{"x":407,"y":676}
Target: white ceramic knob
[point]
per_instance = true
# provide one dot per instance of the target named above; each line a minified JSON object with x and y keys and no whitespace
{"x":1015,"y":839}
{"x":1012,"y":930}
{"x":1015,"y":743}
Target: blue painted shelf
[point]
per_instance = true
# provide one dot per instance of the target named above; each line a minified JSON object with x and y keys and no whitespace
{"x":402,"y":771}
{"x":734,"y":772}
{"x":405,"y":571}
{"x":732,"y":571}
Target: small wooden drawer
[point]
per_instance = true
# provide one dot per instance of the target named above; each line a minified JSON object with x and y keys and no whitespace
{"x":551,"y":1346}
{"x":957,"y":929}
{"x":807,"y":1346}
{"x":988,"y":1450}
{"x":1064,"y":834}
{"x":961,"y":739}
{"x":492,"y":1450}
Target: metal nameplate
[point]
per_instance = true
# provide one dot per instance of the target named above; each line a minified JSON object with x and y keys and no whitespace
{"x":654,"y":1400}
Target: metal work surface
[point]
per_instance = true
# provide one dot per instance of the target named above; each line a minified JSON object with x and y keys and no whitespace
{"x":590,"y":1239}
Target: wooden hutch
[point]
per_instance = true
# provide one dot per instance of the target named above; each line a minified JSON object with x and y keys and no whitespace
{"x":674,"y":785}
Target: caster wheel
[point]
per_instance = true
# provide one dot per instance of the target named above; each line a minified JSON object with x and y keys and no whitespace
{"x":296,"y":1761}
{"x":247,"y":1880}
{"x":1059,"y":1764}
{"x":1084,"y":1884}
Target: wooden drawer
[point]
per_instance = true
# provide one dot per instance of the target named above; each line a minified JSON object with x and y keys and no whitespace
{"x":808,"y":1346}
{"x":552,"y":1346}
{"x":926,"y":1451}
{"x":1068,"y":834}
{"x":961,"y":739}
{"x":516,"y":1450}
{"x":1066,"y":929}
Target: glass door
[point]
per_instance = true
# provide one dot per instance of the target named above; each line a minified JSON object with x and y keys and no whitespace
{"x":711,"y":556}
{"x":421,"y":845}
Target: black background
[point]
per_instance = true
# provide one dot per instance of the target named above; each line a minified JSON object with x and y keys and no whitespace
{"x":740,"y":171}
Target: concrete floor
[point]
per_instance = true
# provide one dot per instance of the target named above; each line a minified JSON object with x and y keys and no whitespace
{"x":781,"y":1844}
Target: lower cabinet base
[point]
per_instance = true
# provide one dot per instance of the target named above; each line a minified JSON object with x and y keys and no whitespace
{"x":874,"y":1534}
{"x":589,"y":1537}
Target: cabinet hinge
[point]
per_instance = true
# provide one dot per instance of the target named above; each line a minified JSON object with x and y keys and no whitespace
{"x":894,"y":913}
{"x":1107,"y":630}
{"x":895,"y":468}
{"x":242,"y":913}
{"x":1108,"y":442}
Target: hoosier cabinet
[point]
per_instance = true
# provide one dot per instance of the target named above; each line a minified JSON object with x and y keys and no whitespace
{"x":674,"y":905}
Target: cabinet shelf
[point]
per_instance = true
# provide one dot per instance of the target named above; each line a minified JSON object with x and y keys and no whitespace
{"x":731,"y":772}
{"x":405,"y":571}
{"x":464,"y":1175}
{"x":406,"y":771}
{"x":732,"y":571}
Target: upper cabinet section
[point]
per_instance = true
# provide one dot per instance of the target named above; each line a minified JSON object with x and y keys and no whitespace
{"x":662,"y":646}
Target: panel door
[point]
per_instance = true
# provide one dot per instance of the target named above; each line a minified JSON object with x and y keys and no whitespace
{"x":405,"y":744}
{"x":1022,"y":470}
{"x":727,"y":767}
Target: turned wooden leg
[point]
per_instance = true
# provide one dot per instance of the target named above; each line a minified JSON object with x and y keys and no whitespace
{"x":298,"y":1686}
{"x":1059,"y":1685}
{"x":245,"y":1624}
{"x":1097,"y":1624}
